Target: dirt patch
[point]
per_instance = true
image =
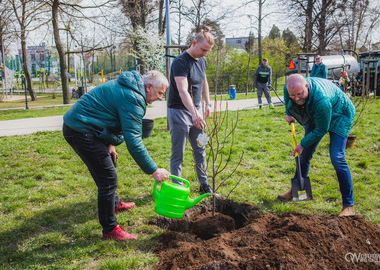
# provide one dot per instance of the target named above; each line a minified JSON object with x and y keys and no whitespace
{"x":240,"y":237}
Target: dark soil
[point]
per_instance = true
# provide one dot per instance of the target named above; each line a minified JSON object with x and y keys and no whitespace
{"x":240,"y":237}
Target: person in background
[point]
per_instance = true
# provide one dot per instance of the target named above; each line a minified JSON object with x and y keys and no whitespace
{"x":319,"y":69}
{"x":321,"y":107}
{"x":102,"y":119}
{"x":262,"y":82}
{"x":188,"y":84}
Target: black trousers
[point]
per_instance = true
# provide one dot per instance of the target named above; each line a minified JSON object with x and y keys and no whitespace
{"x":98,"y":160}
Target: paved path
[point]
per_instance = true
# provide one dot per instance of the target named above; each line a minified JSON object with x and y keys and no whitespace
{"x":157,"y":110}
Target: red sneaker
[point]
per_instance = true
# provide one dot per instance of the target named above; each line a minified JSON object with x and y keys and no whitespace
{"x":124,"y":206}
{"x":119,"y":234}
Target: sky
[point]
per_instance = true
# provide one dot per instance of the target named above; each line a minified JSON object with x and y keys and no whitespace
{"x":238,"y":21}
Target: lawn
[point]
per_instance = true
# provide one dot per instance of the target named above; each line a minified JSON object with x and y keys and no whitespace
{"x":48,"y":208}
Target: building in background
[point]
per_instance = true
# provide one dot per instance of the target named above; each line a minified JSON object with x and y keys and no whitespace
{"x":38,"y":58}
{"x":238,"y":42}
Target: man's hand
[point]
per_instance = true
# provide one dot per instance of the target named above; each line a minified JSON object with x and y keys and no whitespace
{"x":298,"y":150}
{"x":207,"y":112}
{"x":160,"y":174}
{"x":198,"y":120}
{"x":290,"y":119}
{"x":112,"y":151}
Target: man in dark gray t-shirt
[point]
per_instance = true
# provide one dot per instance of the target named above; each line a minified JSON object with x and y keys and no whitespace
{"x":188,"y":84}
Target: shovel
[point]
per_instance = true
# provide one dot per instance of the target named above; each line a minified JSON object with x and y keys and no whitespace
{"x":301,"y":187}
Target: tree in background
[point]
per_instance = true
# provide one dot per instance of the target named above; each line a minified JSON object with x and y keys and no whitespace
{"x":292,"y":44}
{"x":138,"y":13}
{"x":30,"y":15}
{"x":274,"y":32}
{"x":359,"y":20}
{"x":326,"y":25}
{"x":150,"y":49}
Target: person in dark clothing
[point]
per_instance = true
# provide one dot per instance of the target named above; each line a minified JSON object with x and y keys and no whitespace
{"x":188,"y":83}
{"x":262,"y":82}
{"x":103,"y":118}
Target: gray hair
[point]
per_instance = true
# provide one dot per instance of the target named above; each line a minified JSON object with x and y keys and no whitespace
{"x":156,"y":78}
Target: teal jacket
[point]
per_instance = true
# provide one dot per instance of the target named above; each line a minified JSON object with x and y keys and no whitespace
{"x":319,"y":71}
{"x":327,"y":106}
{"x":113,"y":111}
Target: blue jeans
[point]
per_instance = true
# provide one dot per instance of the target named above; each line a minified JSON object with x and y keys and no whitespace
{"x":98,"y":160}
{"x":338,"y":160}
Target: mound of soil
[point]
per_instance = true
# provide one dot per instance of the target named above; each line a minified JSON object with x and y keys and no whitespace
{"x":240,"y":237}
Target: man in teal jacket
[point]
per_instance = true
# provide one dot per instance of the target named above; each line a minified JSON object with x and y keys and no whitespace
{"x":319,"y":69}
{"x":321,"y":107}
{"x":104,"y":117}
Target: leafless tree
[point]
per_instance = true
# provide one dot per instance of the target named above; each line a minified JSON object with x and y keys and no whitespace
{"x":359,"y":20}
{"x":30,"y":15}
{"x":262,"y":14}
{"x":6,"y":20}
{"x":69,"y":9}
{"x":304,"y":9}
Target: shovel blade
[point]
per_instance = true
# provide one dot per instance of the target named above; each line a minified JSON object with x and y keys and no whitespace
{"x":300,"y":193}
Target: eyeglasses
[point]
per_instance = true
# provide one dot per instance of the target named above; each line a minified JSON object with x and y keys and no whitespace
{"x":297,"y":95}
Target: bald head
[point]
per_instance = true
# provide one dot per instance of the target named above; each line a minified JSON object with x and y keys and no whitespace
{"x":298,"y":88}
{"x":295,"y":80}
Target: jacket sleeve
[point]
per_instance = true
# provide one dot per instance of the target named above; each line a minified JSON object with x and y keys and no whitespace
{"x":312,"y":74}
{"x":322,"y":118}
{"x":270,"y":77}
{"x":324,"y":72}
{"x":286,"y":100}
{"x":255,"y":77}
{"x":131,"y":115}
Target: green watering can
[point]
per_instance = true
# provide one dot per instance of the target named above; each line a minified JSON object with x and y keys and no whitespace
{"x":173,"y":199}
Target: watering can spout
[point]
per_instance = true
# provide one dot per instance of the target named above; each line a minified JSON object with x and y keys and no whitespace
{"x":192,"y":202}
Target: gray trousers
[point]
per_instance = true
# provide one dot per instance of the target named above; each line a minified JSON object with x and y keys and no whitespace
{"x":263,"y":88}
{"x":181,"y":129}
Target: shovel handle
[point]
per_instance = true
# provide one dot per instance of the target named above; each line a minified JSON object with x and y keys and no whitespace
{"x":294,"y":137}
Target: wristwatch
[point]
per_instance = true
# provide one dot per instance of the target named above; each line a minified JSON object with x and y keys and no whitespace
{"x":208,"y":104}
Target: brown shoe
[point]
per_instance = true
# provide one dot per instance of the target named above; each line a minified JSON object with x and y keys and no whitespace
{"x":347,"y":211}
{"x":287,"y":196}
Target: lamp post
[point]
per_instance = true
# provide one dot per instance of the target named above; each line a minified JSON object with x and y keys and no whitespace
{"x":23,"y":82}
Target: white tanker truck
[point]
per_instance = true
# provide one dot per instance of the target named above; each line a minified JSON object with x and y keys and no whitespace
{"x":334,"y":63}
{"x":367,"y":62}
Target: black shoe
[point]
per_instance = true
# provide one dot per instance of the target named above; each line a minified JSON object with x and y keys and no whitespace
{"x":205,"y":189}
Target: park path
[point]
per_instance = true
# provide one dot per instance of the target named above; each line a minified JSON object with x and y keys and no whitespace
{"x":156,"y":110}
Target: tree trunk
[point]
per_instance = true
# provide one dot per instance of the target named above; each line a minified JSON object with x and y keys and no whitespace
{"x":28,"y":78}
{"x":259,"y":32}
{"x":309,"y":26}
{"x":322,"y":29}
{"x":61,"y":53}
{"x":161,"y":18}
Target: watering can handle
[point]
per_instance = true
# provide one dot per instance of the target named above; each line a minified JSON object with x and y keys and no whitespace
{"x":180,"y":179}
{"x":294,"y":137}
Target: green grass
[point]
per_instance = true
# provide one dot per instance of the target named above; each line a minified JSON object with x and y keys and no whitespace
{"x":36,"y":108}
{"x":48,"y":208}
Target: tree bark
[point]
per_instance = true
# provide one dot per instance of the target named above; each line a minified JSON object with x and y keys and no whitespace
{"x":309,"y":26}
{"x":61,"y":53}
{"x":322,"y":28}
{"x":28,"y":78}
{"x":259,"y":32}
